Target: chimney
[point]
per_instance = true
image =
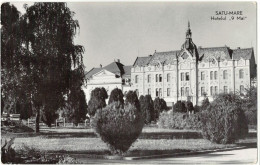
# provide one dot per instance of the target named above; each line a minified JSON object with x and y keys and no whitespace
{"x":238,"y":47}
{"x":150,"y":55}
{"x":100,"y":65}
{"x":118,"y":60}
{"x":154,"y":51}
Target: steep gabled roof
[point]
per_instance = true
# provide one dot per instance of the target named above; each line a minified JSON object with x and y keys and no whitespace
{"x":220,"y":53}
{"x":164,"y":57}
{"x":127,"y":71}
{"x":142,"y":61}
{"x":114,"y":67}
{"x":242,"y":53}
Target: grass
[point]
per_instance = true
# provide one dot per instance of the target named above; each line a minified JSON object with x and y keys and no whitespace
{"x":61,"y":141}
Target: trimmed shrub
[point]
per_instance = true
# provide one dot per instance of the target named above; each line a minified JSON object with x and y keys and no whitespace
{"x":180,"y":107}
{"x":189,"y":106}
{"x":116,"y":95}
{"x":177,"y":120}
{"x":205,"y":103}
{"x":131,"y":98}
{"x":118,"y":127}
{"x":224,"y":121}
{"x":97,"y":100}
{"x":159,"y":106}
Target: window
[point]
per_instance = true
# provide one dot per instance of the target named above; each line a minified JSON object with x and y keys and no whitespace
{"x":149,"y":78}
{"x":242,"y":89}
{"x":136,"y":78}
{"x":160,"y":92}
{"x":137,"y":92}
{"x":211,"y":91}
{"x":168,"y":77}
{"x":156,"y":92}
{"x":225,"y":74}
{"x":216,"y":90}
{"x":182,"y":91}
{"x":160,"y":78}
{"x":187,"y":76}
{"x":211,"y":75}
{"x":216,"y":75}
{"x":156,"y":78}
{"x":202,"y":91}
{"x":182,"y":76}
{"x":168,"y":91}
{"x":149,"y":91}
{"x":241,"y":73}
{"x":202,"y":75}
{"x":225,"y":89}
{"x":187,"y":92}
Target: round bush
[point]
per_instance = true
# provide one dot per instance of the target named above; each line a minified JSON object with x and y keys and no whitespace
{"x":118,"y":127}
{"x":224,"y":121}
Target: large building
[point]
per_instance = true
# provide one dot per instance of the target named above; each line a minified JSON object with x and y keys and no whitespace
{"x":114,"y":75}
{"x":193,"y":73}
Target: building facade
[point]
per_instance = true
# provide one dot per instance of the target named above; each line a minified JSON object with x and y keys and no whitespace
{"x":114,"y":75}
{"x":193,"y":73}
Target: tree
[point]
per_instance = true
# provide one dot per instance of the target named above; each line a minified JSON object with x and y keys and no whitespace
{"x":49,"y":30}
{"x":115,"y":96}
{"x":131,"y":98}
{"x":205,"y":103}
{"x":224,"y":120}
{"x":147,"y":108}
{"x":159,"y":106}
{"x":97,"y":100}
{"x":180,"y":107}
{"x":189,"y":106}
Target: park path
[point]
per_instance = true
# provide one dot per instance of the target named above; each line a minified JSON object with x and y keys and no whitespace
{"x":241,"y":156}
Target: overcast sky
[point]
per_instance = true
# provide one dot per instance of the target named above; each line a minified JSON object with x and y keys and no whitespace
{"x":119,"y":30}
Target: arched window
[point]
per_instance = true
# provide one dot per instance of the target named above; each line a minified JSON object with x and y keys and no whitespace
{"x":242,"y":89}
{"x":216,"y":75}
{"x":160,"y":92}
{"x":225,"y":74}
{"x":149,"y":78}
{"x":211,"y":75}
{"x":160,"y":77}
{"x":156,"y":78}
{"x":136,"y":78}
{"x":168,"y":77}
{"x":156,"y":92}
{"x":216,"y":90}
{"x":211,"y":91}
{"x":182,"y":91}
{"x":187,"y":76}
{"x":202,"y":75}
{"x":182,"y":76}
{"x":241,"y":73}
{"x":187,"y":91}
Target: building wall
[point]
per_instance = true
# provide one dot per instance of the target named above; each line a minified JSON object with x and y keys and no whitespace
{"x":213,"y":86}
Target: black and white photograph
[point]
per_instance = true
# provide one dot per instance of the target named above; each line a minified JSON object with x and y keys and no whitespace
{"x":129,"y":82}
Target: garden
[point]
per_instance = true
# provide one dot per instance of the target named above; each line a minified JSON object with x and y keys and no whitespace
{"x":135,"y":127}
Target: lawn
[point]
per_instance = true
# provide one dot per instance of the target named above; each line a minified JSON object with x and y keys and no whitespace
{"x":58,"y":141}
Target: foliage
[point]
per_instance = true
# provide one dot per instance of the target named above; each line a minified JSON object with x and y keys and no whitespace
{"x":189,"y":106}
{"x":196,"y":109}
{"x":131,"y":98}
{"x":147,"y":108}
{"x":177,"y":120}
{"x":205,"y":103}
{"x":180,"y":107}
{"x":45,"y":54}
{"x":76,"y":107}
{"x":250,"y":105}
{"x":224,"y":121}
{"x":115,"y":96}
{"x":159,"y":106}
{"x":97,"y":100}
{"x":117,"y":126}
{"x":7,"y":152}
{"x":15,"y":127}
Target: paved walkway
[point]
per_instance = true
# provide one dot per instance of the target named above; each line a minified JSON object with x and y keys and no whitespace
{"x":242,"y":156}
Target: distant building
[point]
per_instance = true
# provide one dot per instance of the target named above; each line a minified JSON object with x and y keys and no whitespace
{"x":114,"y":75}
{"x":193,"y":73}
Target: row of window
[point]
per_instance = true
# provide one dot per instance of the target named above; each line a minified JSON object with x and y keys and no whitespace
{"x":185,"y":91}
{"x":185,"y":76}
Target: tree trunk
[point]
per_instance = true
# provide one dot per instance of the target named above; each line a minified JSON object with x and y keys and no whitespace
{"x":37,"y":121}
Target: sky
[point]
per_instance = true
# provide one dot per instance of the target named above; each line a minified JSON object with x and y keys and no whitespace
{"x":126,"y":30}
